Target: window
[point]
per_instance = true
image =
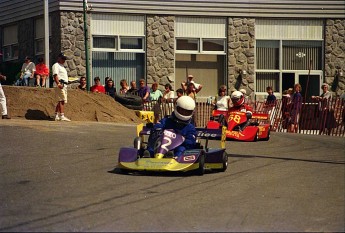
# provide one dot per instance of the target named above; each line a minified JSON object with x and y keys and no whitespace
{"x":118,"y":43}
{"x":266,"y":79}
{"x":132,"y":43}
{"x":200,"y":45}
{"x":275,"y":57}
{"x":187,"y":44}
{"x":267,"y":52}
{"x":39,"y":36}
{"x":213,"y":45}
{"x":299,"y":55}
{"x":10,"y":43}
{"x":105,"y":42}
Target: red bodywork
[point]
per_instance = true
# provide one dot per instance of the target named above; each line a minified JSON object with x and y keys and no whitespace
{"x":237,"y":128}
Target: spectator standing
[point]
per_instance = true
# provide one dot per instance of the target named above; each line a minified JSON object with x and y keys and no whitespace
{"x":155,"y":94}
{"x":168,"y":94}
{"x":133,"y":90}
{"x":82,"y":84}
{"x":222,"y":101}
{"x":60,"y":80}
{"x":185,"y":85}
{"x":143,"y":91}
{"x":285,"y":110}
{"x":27,"y":72}
{"x":42,"y":72}
{"x":3,"y":104}
{"x":191,"y":91}
{"x":110,"y":88}
{"x":124,"y":86}
{"x":97,"y":88}
{"x":179,"y":93}
{"x":296,"y":106}
{"x":168,"y":99}
{"x":270,"y":102}
{"x":326,"y":113}
{"x":155,"y":99}
{"x":105,"y":81}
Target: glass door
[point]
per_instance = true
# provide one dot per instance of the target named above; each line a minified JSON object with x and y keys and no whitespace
{"x":311,"y":84}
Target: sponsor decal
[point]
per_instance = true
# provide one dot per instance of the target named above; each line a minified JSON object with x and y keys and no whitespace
{"x":191,"y":152}
{"x":234,"y":134}
{"x":202,"y":134}
{"x":189,"y":158}
{"x":169,"y":134}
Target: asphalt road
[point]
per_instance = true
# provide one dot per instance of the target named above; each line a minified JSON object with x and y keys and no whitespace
{"x":56,"y":176}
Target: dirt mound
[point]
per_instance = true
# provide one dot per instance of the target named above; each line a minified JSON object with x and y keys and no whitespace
{"x":39,"y":104}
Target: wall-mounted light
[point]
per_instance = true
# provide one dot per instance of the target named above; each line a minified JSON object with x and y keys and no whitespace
{"x":339,"y":73}
{"x":300,"y":54}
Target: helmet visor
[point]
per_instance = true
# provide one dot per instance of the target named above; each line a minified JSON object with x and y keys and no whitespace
{"x":235,"y":99}
{"x":184,"y":112}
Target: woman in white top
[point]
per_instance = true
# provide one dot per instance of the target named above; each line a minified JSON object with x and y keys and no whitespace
{"x":222,"y":101}
{"x":27,"y":72}
{"x":124,"y":86}
{"x":168,"y":99}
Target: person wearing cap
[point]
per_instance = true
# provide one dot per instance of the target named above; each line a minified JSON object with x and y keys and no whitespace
{"x":27,"y":72}
{"x":185,"y":85}
{"x":60,"y":84}
{"x":326,"y":116}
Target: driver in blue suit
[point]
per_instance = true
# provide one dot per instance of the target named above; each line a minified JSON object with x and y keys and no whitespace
{"x":180,"y":121}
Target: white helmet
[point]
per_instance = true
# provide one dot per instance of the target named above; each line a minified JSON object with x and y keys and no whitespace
{"x":237,"y":98}
{"x":184,"y":108}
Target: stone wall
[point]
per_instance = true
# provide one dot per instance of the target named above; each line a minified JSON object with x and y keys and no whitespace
{"x":160,"y":49}
{"x":241,"y":38}
{"x":335,"y":54}
{"x":72,"y":42}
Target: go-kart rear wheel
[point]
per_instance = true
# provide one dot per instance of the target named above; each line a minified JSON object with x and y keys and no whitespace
{"x":256,"y":137}
{"x":201,"y":170}
{"x":225,"y":162}
{"x":268,"y":135}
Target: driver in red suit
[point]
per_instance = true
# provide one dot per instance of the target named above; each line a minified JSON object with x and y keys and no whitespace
{"x":237,"y":99}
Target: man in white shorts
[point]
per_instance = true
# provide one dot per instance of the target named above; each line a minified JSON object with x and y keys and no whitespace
{"x":60,"y":84}
{"x":3,"y":105}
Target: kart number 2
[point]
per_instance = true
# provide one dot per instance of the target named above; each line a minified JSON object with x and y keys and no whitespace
{"x":164,"y":146}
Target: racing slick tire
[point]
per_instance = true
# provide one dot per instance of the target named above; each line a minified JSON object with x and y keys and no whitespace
{"x":256,"y":136}
{"x":133,"y":107}
{"x":128,"y":99}
{"x":268,"y":136}
{"x":225,"y":162}
{"x":201,"y":170}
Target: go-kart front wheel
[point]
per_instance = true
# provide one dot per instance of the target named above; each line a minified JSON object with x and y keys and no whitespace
{"x":201,"y":169}
{"x":268,"y":136}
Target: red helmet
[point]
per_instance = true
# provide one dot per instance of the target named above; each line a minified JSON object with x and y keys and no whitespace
{"x":237,"y":98}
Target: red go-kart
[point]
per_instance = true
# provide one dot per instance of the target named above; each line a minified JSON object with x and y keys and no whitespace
{"x":240,"y":128}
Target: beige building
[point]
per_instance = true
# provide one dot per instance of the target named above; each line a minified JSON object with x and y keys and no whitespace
{"x":242,"y":44}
